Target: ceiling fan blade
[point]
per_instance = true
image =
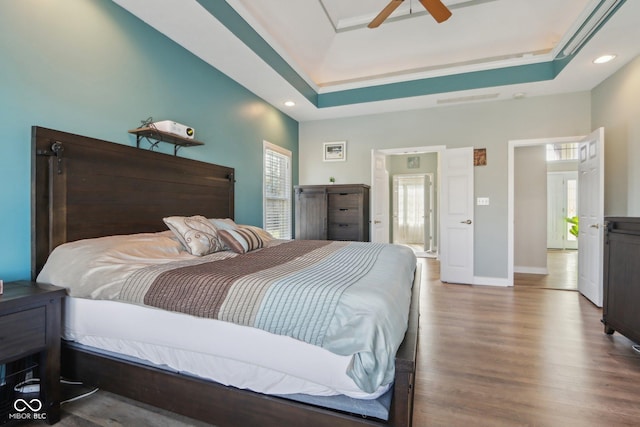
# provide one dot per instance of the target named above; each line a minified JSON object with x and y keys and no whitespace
{"x":437,"y":9}
{"x":384,"y":14}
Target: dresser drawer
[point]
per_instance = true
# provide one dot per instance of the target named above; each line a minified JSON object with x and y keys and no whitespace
{"x":345,"y":216}
{"x":22,"y":333}
{"x":344,"y":200}
{"x":343,"y":232}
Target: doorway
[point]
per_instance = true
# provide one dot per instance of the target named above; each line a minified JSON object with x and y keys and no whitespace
{"x":590,"y":208}
{"x":414,"y":161}
{"x":562,"y":210}
{"x":545,"y":183}
{"x":536,"y":227}
{"x":562,"y":217}
{"x":413,"y":211}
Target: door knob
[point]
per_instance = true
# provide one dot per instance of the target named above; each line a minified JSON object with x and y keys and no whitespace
{"x":596,"y":226}
{"x":377,"y":222}
{"x":466,"y":222}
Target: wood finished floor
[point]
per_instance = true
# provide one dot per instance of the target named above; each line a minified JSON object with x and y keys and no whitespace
{"x":521,"y":356}
{"x":562,"y":266}
{"x":488,"y":356}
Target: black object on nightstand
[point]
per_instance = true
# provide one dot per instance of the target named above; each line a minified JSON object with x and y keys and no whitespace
{"x":30,"y":317}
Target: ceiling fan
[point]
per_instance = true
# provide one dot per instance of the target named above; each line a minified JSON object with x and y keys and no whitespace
{"x":436,"y":8}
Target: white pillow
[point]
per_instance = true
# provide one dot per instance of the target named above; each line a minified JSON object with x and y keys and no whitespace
{"x":223,"y":223}
{"x":196,"y":233}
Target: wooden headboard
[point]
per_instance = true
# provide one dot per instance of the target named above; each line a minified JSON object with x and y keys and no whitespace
{"x":84,"y":187}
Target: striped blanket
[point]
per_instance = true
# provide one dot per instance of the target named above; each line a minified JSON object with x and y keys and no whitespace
{"x":337,"y":295}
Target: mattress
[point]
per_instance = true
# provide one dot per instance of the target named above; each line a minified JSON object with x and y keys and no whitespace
{"x":224,"y":352}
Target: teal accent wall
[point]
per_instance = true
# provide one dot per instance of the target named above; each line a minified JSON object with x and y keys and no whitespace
{"x":241,"y":29}
{"x":91,"y":68}
{"x":451,"y":83}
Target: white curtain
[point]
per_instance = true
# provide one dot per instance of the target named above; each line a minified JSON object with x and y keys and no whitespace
{"x":409,"y":206}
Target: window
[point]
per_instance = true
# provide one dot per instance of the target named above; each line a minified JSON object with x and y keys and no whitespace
{"x":277,"y":191}
{"x":562,"y":151}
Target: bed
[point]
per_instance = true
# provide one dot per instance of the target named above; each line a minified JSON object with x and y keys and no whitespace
{"x":88,"y":190}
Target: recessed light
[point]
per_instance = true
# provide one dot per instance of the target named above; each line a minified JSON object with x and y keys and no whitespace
{"x":289,"y":103}
{"x":603,"y":59}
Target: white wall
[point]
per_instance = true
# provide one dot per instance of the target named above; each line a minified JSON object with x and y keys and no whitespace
{"x":616,"y":106}
{"x":487,"y":125}
{"x":530,"y":210}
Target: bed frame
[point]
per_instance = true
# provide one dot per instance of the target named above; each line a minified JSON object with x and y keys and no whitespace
{"x":84,"y":187}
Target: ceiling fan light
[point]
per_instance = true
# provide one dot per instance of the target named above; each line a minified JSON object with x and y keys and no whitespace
{"x":604,"y":59}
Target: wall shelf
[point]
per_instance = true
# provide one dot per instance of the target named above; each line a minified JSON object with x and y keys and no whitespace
{"x":159,"y":136}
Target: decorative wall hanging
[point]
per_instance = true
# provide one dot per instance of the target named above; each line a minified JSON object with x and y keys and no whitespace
{"x":480,"y":157}
{"x":334,"y":151}
{"x":413,"y":162}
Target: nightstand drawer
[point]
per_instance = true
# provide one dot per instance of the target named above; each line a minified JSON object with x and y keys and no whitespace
{"x":22,"y":333}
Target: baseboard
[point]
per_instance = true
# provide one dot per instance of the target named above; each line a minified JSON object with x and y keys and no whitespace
{"x":530,"y":270}
{"x":491,"y":281}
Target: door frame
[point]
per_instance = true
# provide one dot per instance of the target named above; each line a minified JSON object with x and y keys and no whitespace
{"x":513,"y":144}
{"x":399,"y":151}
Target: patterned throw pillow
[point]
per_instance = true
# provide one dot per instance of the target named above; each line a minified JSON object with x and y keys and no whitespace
{"x":196,"y":233}
{"x":242,"y":239}
{"x":262,"y":233}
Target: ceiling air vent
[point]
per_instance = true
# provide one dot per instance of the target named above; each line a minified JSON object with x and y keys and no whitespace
{"x":470,"y":98}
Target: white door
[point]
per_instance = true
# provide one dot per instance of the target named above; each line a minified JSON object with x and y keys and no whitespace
{"x":429,"y":228}
{"x":379,"y":198}
{"x":561,"y":204}
{"x":456,"y":237}
{"x":591,"y":214}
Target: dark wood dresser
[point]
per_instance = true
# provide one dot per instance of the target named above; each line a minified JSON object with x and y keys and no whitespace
{"x":332,"y":212}
{"x":621,"y":305}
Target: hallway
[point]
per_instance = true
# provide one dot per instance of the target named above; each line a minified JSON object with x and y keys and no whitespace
{"x":562,"y":274}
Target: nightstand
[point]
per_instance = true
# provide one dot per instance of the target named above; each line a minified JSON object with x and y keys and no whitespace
{"x":30,"y":317}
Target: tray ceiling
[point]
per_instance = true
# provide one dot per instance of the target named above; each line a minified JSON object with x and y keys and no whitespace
{"x":320,"y":53}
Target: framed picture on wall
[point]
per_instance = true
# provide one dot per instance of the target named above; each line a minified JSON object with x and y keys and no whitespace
{"x":334,"y":151}
{"x":413,"y":162}
{"x":480,"y":157}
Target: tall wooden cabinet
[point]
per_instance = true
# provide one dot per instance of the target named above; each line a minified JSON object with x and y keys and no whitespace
{"x":332,"y":212}
{"x":621,"y":279}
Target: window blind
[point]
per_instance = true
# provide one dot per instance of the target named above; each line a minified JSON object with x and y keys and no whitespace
{"x":277,"y":191}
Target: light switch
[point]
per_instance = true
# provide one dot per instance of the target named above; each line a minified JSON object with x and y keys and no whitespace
{"x":482,"y":201}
